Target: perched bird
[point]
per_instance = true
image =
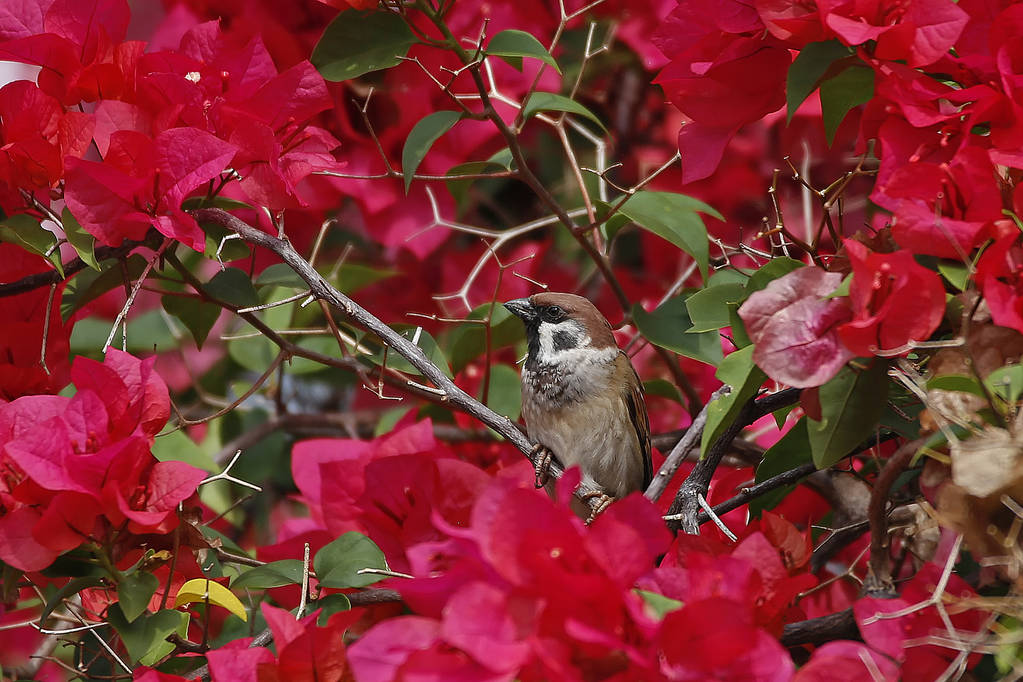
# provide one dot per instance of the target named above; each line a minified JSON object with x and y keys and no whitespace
{"x":581,"y":398}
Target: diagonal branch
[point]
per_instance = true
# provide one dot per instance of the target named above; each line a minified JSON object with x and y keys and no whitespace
{"x":75,"y":265}
{"x":449,"y":392}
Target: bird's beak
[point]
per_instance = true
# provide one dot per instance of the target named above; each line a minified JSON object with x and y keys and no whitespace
{"x":522,"y":308}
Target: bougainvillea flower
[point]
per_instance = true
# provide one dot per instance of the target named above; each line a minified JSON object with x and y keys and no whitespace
{"x":919,"y":32}
{"x":1000,"y":274}
{"x":843,"y":661}
{"x":722,"y":74}
{"x":895,"y":301}
{"x":79,"y":49}
{"x":72,"y":460}
{"x":36,"y":133}
{"x":306,"y":652}
{"x":716,"y":639}
{"x":794,"y":327}
{"x":142,"y":182}
{"x":797,"y":23}
{"x":942,"y":210}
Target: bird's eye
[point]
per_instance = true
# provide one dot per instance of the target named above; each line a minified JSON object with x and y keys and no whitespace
{"x":553,"y":313}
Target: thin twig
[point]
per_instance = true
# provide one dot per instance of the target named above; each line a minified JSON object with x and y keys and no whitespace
{"x":754,"y":491}
{"x":134,"y":292}
{"x":715,"y":518}
{"x":305,"y":584}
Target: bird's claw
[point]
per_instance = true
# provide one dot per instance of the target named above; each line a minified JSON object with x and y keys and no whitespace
{"x":542,"y":464}
{"x":603,"y":501}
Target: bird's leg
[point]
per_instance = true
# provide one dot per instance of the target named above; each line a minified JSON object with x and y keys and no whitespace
{"x":541,"y":456}
{"x":603,"y":502}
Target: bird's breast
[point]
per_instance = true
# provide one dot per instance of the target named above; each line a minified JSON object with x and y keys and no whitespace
{"x":585,"y":424}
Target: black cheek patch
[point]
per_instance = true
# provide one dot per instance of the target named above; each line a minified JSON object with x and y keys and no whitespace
{"x":563,"y":340}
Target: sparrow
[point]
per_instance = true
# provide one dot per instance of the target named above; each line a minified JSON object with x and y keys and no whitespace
{"x":581,"y":398}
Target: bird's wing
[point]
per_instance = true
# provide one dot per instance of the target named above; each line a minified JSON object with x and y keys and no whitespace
{"x":638,"y":416}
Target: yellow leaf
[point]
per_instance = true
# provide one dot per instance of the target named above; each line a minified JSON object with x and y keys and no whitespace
{"x":203,"y":590}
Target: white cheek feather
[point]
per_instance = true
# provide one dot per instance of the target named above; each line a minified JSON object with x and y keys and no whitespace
{"x":548,"y":354}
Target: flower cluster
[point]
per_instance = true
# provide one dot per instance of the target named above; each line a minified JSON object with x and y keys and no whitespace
{"x":164,"y":122}
{"x":80,"y":469}
{"x":948,"y":148}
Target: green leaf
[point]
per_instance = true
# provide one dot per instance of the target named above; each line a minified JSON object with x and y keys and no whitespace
{"x":274,"y":574}
{"x":658,"y":604}
{"x":178,"y":447}
{"x":842,"y":290}
{"x":772,"y":270}
{"x":388,"y":419}
{"x":468,"y":341}
{"x":25,"y":231}
{"x":73,"y":586}
{"x":338,"y":563}
{"x":962,"y":383}
{"x":851,"y":405}
{"x":197,"y":316}
{"x":957,"y":274}
{"x":518,"y":44}
{"x":504,"y":396}
{"x":83,"y":242}
{"x":254,"y":353}
{"x":709,"y":308}
{"x":810,"y":65}
{"x":354,"y":276}
{"x":329,"y":605}
{"x":739,"y":335}
{"x":226,"y":203}
{"x":850,"y":88}
{"x":789,"y":452}
{"x":610,"y":227}
{"x":421,"y":338}
{"x":134,"y":592}
{"x":358,"y":42}
{"x":281,"y":275}
{"x":667,"y":325}
{"x":146,"y":333}
{"x":232,"y":286}
{"x":216,"y":241}
{"x":548,"y":101}
{"x":422,"y":137}
{"x":1006,"y":382}
{"x":903,"y":419}
{"x":738,"y":371}
{"x":145,"y":638}
{"x":459,"y":187}
{"x":662,"y":388}
{"x":503,"y":158}
{"x":674,"y":217}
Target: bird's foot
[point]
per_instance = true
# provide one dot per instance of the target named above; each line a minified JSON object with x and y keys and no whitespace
{"x":542,"y":464}
{"x":603,"y":501}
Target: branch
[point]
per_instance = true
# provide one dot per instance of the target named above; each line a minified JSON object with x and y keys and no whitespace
{"x":686,"y":505}
{"x":689,"y":440}
{"x":72,"y":267}
{"x":841,"y":625}
{"x":879,"y":579}
{"x":448,"y":391}
{"x":754,"y":491}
